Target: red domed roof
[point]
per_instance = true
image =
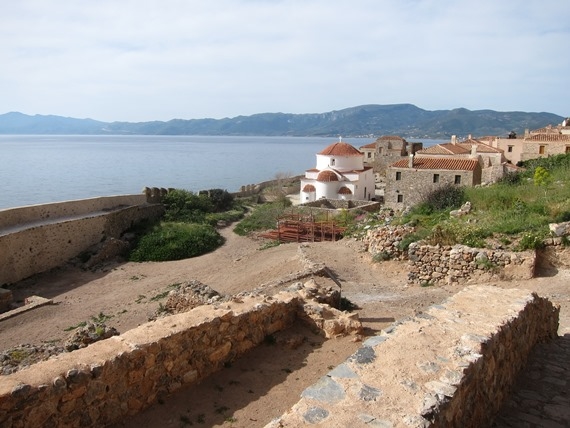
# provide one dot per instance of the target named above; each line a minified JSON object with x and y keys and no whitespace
{"x":341,"y":149}
{"x":327,"y":176}
{"x":344,"y":191}
{"x":309,"y":188}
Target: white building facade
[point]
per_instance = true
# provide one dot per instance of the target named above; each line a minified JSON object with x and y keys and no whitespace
{"x":339,"y":174}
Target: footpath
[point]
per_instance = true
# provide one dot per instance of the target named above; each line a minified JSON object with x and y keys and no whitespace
{"x":541,"y":395}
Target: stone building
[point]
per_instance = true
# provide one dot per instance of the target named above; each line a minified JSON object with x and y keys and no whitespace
{"x":410,"y":180}
{"x":339,"y":174}
{"x":493,"y":162}
{"x":543,"y":142}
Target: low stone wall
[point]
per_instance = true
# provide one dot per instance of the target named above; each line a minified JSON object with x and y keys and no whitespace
{"x":14,"y":217}
{"x":336,"y":204}
{"x":59,"y":232}
{"x":100,"y":384}
{"x":452,"y":366}
{"x":385,"y":241}
{"x":430,"y":264}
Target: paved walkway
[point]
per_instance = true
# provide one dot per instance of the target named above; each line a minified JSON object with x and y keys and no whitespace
{"x":541,"y":396}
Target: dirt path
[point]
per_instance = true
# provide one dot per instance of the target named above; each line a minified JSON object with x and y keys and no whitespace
{"x":268,"y":380}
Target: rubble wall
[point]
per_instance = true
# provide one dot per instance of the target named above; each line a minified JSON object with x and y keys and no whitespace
{"x":47,"y":236}
{"x":452,"y":366}
{"x":120,"y":376}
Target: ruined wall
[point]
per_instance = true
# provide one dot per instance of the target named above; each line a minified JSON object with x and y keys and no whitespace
{"x":336,"y":204}
{"x":59,"y":232}
{"x":429,"y":264}
{"x":452,"y":366}
{"x":122,"y":375}
{"x":97,"y":385}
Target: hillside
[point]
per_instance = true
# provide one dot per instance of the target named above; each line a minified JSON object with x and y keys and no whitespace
{"x":405,"y":120}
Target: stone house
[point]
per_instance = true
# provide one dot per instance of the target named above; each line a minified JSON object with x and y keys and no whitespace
{"x":543,"y":142}
{"x":339,"y":174}
{"x":383,"y":152}
{"x":410,"y":180}
{"x":493,"y":162}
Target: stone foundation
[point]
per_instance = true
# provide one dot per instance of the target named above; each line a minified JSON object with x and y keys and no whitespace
{"x":452,"y":366}
{"x":100,"y":384}
{"x":429,"y":264}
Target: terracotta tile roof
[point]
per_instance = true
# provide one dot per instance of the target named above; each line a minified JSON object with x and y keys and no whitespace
{"x":309,"y":188}
{"x":368,"y":146}
{"x":481,"y":147}
{"x":451,"y":164}
{"x":546,"y":130}
{"x":327,"y":176}
{"x":549,"y":138}
{"x":444,"y":149}
{"x":390,"y":137}
{"x":313,"y":170}
{"x":344,"y":191}
{"x":341,"y":149}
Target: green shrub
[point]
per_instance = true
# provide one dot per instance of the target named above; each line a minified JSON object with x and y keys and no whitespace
{"x":443,"y":198}
{"x":530,"y":241}
{"x":381,"y":257}
{"x":263,"y":217}
{"x":176,"y":241}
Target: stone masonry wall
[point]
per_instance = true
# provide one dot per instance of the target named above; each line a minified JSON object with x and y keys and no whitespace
{"x":452,"y":366}
{"x":98,"y":385}
{"x":429,"y":264}
{"x":60,"y":232}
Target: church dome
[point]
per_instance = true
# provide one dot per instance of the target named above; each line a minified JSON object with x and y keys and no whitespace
{"x":341,"y":149}
{"x":327,"y":176}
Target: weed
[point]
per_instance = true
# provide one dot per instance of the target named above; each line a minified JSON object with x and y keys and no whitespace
{"x":270,"y":244}
{"x":101,"y":318}
{"x":160,"y":296}
{"x":381,"y":257}
{"x":221,"y":410}
{"x":426,"y":284}
{"x":73,"y":327}
{"x":231,"y":419}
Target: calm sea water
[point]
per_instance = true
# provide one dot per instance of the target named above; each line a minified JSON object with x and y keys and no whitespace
{"x":41,"y":169}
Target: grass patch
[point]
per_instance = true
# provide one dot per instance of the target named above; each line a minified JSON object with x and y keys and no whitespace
{"x":73,"y":327}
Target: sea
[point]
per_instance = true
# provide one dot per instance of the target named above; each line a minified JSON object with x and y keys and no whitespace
{"x":39,"y":169}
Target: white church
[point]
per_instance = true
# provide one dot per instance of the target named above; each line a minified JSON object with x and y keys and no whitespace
{"x":340,"y":174}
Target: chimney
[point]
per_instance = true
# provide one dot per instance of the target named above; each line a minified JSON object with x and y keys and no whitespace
{"x":526,"y":133}
{"x":454,"y":139}
{"x":411,"y":161}
{"x":474,"y":150}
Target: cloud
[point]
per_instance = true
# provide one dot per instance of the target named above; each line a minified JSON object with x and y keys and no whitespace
{"x":145,"y":60}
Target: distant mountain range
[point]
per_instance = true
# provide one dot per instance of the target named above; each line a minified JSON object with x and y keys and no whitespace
{"x":405,"y":120}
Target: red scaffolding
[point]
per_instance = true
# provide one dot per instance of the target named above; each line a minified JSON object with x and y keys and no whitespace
{"x":304,"y":228}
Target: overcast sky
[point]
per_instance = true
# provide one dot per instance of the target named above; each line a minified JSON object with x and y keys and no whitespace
{"x":141,"y":60}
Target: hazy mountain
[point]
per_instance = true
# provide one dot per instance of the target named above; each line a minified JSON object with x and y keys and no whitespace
{"x":405,"y":120}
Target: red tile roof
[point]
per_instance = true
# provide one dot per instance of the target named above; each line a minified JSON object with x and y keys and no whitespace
{"x":327,"y":176}
{"x":309,"y":188}
{"x":451,"y":164}
{"x":368,"y":146}
{"x":549,"y":138}
{"x":344,"y":191}
{"x":341,"y":149}
{"x":390,"y":137}
{"x":444,"y":149}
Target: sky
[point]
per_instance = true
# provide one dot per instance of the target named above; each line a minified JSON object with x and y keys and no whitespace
{"x":143,"y":60}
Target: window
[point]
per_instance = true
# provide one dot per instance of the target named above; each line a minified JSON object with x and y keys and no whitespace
{"x":510,"y":149}
{"x":436,"y":178}
{"x":332,"y":162}
{"x":379,"y":150}
{"x":369,"y":155}
{"x":567,"y":149}
{"x":398,"y":175}
{"x":457,"y":179}
{"x":541,"y":150}
{"x":400,"y":198}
